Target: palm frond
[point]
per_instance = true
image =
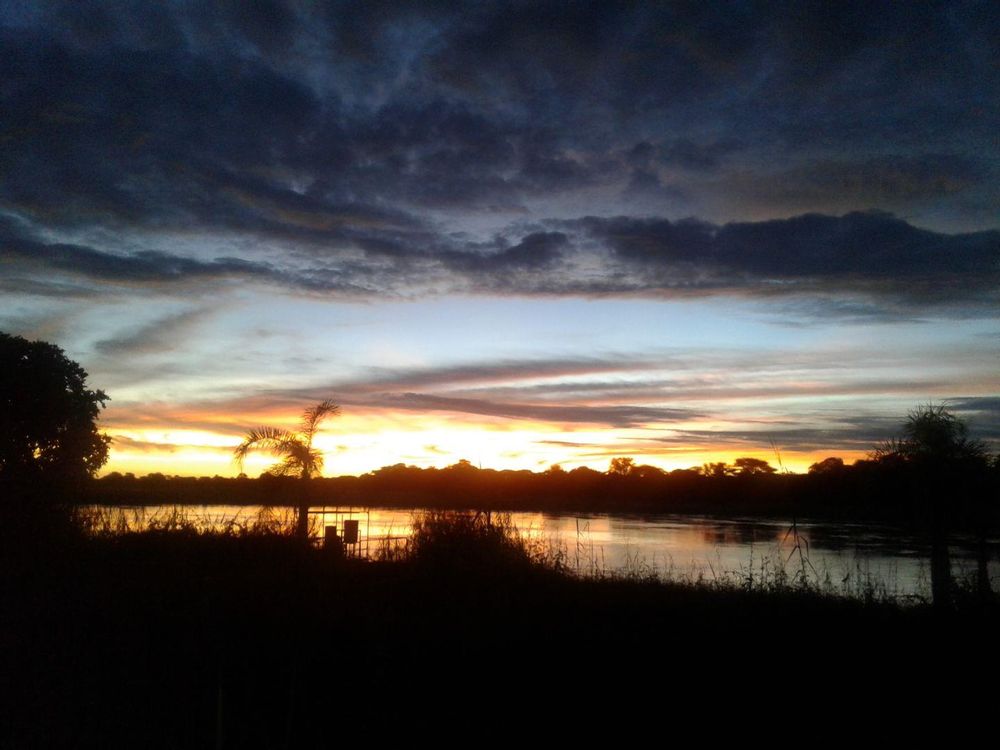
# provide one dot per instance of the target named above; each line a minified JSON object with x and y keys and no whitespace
{"x":304,"y":457}
{"x":295,"y":449}
{"x":316,"y":461}
{"x":269,"y":439}
{"x":312,"y":417}
{"x":287,"y":468}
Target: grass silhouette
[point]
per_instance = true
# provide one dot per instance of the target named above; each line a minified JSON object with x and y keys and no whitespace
{"x":178,"y":635}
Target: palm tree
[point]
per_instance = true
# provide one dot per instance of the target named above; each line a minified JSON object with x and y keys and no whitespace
{"x":299,"y":457}
{"x":941,"y":461}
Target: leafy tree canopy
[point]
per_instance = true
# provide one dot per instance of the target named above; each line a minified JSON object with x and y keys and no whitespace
{"x":621,"y":467}
{"x":717,"y":469}
{"x":831,"y":465}
{"x":933,"y":437}
{"x":48,"y":416}
{"x":753,"y":466}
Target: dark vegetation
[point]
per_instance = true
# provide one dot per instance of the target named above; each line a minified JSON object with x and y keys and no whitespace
{"x":50,"y":446}
{"x":250,"y":637}
{"x":179,"y":639}
{"x":880,"y":489}
{"x":48,"y":429}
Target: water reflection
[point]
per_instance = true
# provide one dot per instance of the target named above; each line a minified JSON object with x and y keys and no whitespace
{"x":847,"y":558}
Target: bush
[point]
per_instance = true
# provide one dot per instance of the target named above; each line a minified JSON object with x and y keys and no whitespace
{"x":470,"y":541}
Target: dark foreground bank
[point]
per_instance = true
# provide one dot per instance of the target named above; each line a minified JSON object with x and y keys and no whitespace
{"x":180,"y":640}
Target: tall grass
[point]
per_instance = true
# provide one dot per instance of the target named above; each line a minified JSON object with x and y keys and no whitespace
{"x":477,"y":542}
{"x":102,"y":521}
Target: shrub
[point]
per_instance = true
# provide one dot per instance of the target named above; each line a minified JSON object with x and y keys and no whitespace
{"x":469,"y":541}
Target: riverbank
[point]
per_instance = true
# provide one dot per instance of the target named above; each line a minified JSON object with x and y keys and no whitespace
{"x":861,"y":560}
{"x":168,"y":639}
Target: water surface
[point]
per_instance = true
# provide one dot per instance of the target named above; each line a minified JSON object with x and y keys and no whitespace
{"x":857,"y":559}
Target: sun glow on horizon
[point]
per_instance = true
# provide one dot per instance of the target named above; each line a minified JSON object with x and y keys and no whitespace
{"x":351,"y":449}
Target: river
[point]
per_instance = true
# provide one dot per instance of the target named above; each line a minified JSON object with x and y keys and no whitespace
{"x":854,"y":559}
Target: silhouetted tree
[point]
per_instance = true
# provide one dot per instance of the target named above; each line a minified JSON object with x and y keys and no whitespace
{"x":832,"y":465}
{"x":718,"y":469}
{"x":299,"y":457}
{"x":936,"y":455}
{"x":934,"y":438}
{"x":49,"y":439}
{"x":621,"y":467}
{"x":748,"y":467}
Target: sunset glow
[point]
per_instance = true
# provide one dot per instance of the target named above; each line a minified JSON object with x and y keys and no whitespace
{"x":513,"y":249}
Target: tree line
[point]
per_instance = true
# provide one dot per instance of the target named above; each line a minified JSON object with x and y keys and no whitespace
{"x":884,"y":490}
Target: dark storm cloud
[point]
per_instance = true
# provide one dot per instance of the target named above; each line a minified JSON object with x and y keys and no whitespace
{"x":535,"y":251}
{"x":895,"y":268}
{"x":24,"y":255}
{"x":858,"y":244}
{"x":146,"y":266}
{"x":942,"y":185}
{"x":982,"y":414}
{"x":124,"y":134}
{"x":20,"y":251}
{"x":478,"y":105}
{"x":895,"y":177}
{"x":873,"y":252}
{"x":984,"y":404}
{"x":687,"y":154}
{"x":348,"y":144}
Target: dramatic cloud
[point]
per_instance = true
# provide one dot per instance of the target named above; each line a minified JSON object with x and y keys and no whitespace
{"x":861,"y":252}
{"x":182,"y":115}
{"x":874,"y":256}
{"x":610,"y":416}
{"x":179,"y":179}
{"x":633,"y":391}
{"x":982,"y":413}
{"x":376,"y":150}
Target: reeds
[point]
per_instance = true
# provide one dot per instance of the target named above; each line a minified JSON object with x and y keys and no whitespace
{"x":475,"y":540}
{"x":103,"y":521}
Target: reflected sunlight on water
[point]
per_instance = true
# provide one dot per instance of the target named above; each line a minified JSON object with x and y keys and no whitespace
{"x":843,"y":558}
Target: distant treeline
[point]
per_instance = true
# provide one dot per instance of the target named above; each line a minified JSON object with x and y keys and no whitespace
{"x":866,"y":490}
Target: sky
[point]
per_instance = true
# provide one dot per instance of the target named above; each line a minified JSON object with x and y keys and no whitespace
{"x":514,"y":233}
